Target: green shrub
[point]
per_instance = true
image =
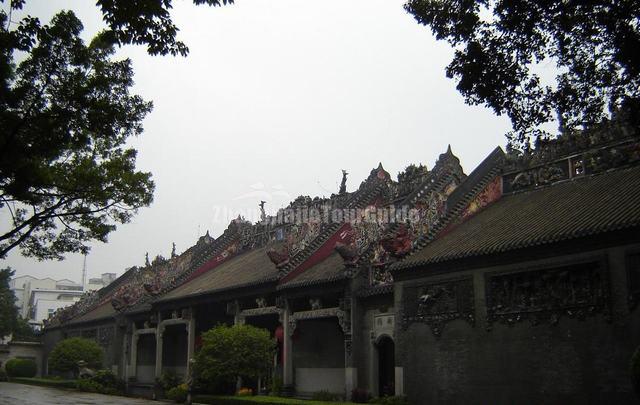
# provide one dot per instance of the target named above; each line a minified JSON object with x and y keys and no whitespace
{"x":169,"y":379}
{"x":66,"y":354}
{"x":21,"y":368}
{"x":178,"y":393}
{"x":109,"y":381}
{"x":23,"y":332}
{"x":231,"y":352}
{"x":104,"y":382}
{"x":88,"y":385}
{"x":396,"y":400}
{"x":635,"y":370}
{"x":324,"y":395}
{"x":3,"y":375}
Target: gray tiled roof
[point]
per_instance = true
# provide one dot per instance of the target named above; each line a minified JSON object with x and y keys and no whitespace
{"x":250,"y":268}
{"x":329,"y":269}
{"x":566,"y":210}
{"x":100,"y":312}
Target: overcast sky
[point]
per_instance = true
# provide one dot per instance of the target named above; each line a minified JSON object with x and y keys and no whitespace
{"x":274,"y":99}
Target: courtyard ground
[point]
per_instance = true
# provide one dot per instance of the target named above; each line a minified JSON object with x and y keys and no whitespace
{"x":20,"y":394}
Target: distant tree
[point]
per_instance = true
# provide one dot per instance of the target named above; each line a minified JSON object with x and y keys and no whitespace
{"x":412,"y":172}
{"x":66,"y":174}
{"x":231,"y":352}
{"x":593,"y":44}
{"x":148,"y":23}
{"x":8,"y":310}
{"x":67,"y":353}
{"x":24,"y":331}
{"x":141,"y":22}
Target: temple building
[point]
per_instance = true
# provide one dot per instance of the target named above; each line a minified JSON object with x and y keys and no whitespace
{"x":515,"y":283}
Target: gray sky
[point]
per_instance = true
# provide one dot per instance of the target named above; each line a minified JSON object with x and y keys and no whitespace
{"x":275,"y":97}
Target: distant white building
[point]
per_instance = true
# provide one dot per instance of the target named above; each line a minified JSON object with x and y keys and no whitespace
{"x":37,"y":298}
{"x":23,"y":286}
{"x":43,"y":303}
{"x":104,"y":280}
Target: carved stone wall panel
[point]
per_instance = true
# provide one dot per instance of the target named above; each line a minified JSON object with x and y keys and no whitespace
{"x":383,"y":324}
{"x":74,"y":333}
{"x":105,"y":336}
{"x":89,"y":333}
{"x":438,"y":303}
{"x":575,"y":290}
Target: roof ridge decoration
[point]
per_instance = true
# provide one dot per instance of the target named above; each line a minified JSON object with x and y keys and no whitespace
{"x":273,"y":232}
{"x":161,"y":274}
{"x":593,"y":156}
{"x":572,"y":143}
{"x":239,"y":237}
{"x":236,"y":239}
{"x":487,"y":189}
{"x":475,"y":196}
{"x":88,"y":301}
{"x":609,"y":145}
{"x":314,"y":234}
{"x":139,"y":282}
{"x":546,"y":167}
{"x":343,"y":182}
{"x":410,"y":179}
{"x":615,"y":197}
{"x":379,"y":240}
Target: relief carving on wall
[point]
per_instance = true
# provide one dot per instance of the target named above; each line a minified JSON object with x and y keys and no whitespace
{"x":438,"y":303}
{"x":574,"y":290}
{"x":105,"y":336}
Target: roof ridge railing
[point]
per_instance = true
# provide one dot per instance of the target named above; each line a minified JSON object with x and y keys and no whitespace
{"x":613,"y":155}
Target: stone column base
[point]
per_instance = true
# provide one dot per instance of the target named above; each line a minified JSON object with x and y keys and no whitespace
{"x":350,"y":381}
{"x":399,"y":380}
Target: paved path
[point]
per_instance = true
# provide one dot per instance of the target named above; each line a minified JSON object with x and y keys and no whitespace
{"x":19,"y":394}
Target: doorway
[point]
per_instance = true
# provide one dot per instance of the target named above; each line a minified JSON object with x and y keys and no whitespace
{"x":386,"y":366}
